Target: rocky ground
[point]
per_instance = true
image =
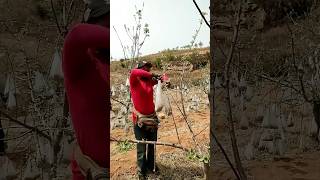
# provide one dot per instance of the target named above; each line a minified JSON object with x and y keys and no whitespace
{"x":275,"y":141}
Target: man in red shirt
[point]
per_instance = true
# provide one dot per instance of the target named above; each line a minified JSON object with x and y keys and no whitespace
{"x":141,"y":89}
{"x":86,"y":77}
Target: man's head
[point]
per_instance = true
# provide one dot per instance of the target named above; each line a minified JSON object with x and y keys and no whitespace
{"x":98,"y":12}
{"x":144,"y":65}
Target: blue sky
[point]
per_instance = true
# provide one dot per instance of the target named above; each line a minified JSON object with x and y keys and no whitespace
{"x":172,"y":23}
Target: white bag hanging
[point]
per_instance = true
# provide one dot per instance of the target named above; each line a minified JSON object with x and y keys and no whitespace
{"x":127,"y":82}
{"x":290,"y":121}
{"x":11,"y":100}
{"x":159,"y":101}
{"x":113,"y":91}
{"x":313,"y":128}
{"x":7,"y":86}
{"x":39,"y":82}
{"x":56,"y":66}
{"x":217,"y":83}
{"x":122,"y":88}
{"x":10,"y":86}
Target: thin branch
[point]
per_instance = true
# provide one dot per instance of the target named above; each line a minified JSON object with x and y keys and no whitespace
{"x":56,"y":18}
{"x":303,"y":91}
{"x":118,"y":101}
{"x":186,"y":120}
{"x":128,"y":33}
{"x":175,"y":125}
{"x":204,"y":18}
{"x":225,"y":154}
{"x":123,"y":49}
{"x":152,"y":142}
{"x":201,"y":131}
{"x":18,"y":137}
{"x":228,"y":100}
{"x":25,"y":125}
{"x":71,"y":5}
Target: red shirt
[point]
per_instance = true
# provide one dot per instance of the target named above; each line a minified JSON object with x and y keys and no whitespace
{"x":87,"y":85}
{"x":141,"y":88}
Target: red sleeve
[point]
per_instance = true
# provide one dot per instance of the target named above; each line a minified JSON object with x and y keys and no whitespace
{"x":87,"y":36}
{"x":136,"y":74}
{"x":82,"y":39}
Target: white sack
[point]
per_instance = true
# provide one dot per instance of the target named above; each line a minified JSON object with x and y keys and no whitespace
{"x":39,"y":82}
{"x":56,"y":66}
{"x":11,"y":100}
{"x":159,"y":104}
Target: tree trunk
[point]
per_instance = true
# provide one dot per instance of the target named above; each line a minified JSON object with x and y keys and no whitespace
{"x":211,"y":93}
{"x":228,"y":100}
{"x":240,"y":169}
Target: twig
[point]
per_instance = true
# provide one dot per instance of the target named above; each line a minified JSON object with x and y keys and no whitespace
{"x":26,"y":126}
{"x":123,"y":49}
{"x":152,"y":142}
{"x":303,"y":91}
{"x":175,"y":125}
{"x":204,"y":18}
{"x":201,"y":131}
{"x":228,"y":100}
{"x":186,"y":120}
{"x":118,"y":101}
{"x":56,"y":18}
{"x":18,"y":137}
{"x":224,"y":154}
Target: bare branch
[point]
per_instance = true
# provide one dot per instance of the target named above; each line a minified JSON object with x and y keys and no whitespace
{"x":34,"y":129}
{"x":152,"y":142}
{"x":300,"y":76}
{"x":204,"y":18}
{"x":228,"y":100}
{"x":225,"y":154}
{"x":123,"y":49}
{"x":56,"y":18}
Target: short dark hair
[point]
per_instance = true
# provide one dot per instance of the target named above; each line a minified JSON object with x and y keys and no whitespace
{"x":144,"y":64}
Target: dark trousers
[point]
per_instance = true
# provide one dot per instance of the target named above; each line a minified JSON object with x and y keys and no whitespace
{"x":145,"y":157}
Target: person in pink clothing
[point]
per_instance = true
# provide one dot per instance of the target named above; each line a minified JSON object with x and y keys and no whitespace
{"x":86,"y":76}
